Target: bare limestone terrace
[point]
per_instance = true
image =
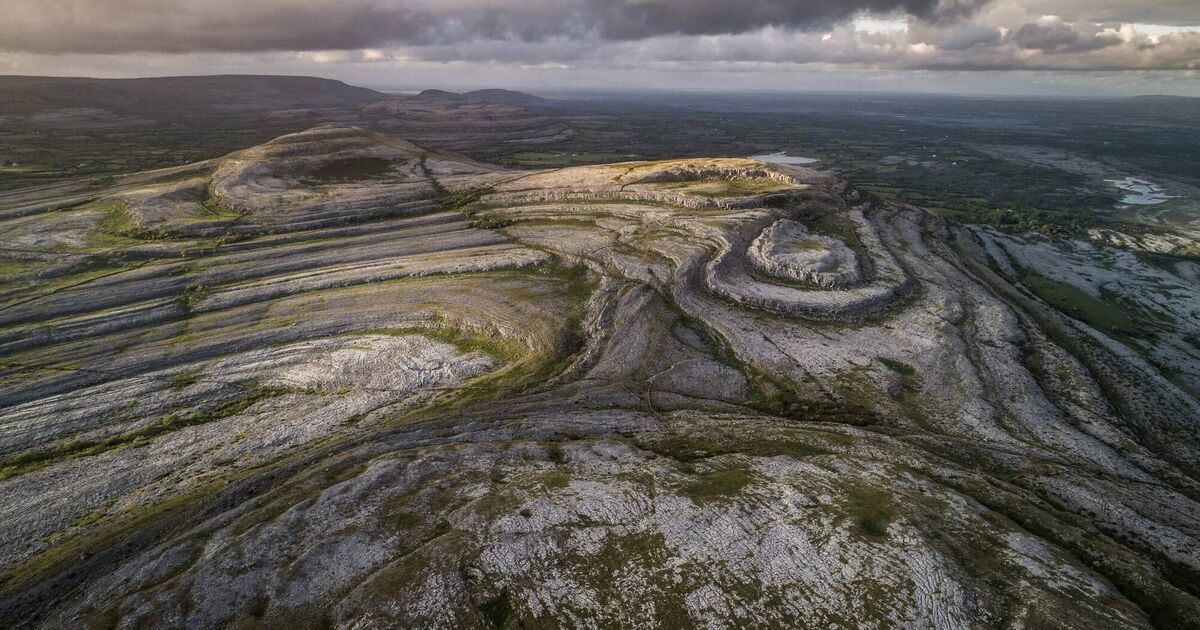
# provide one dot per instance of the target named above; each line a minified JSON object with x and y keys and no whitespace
{"x":340,"y":380}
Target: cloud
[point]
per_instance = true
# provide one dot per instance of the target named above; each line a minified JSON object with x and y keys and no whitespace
{"x":115,"y":26}
{"x":969,"y":46}
{"x":971,"y":36}
{"x":694,"y":35}
{"x":1052,"y":35}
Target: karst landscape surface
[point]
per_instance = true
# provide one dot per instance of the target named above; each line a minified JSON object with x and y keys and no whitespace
{"x":350,"y":377}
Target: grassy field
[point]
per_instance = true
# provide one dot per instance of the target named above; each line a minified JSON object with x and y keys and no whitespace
{"x":1108,"y":316}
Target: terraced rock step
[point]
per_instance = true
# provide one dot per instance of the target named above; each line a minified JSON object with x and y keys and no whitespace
{"x":787,"y":250}
{"x":341,"y":380}
{"x":729,"y":275}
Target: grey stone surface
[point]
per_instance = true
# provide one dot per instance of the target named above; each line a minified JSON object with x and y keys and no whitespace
{"x":710,"y":393}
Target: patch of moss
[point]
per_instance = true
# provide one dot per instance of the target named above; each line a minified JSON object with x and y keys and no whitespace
{"x":495,"y":347}
{"x":715,"y":485}
{"x":351,"y":169}
{"x":497,"y":610}
{"x":692,"y":448}
{"x":90,"y":518}
{"x":871,"y":509}
{"x":555,"y":479}
{"x":216,"y":210}
{"x":184,"y":378}
{"x":12,"y":268}
{"x":117,"y":228}
{"x":192,"y":294}
{"x":1107,"y":316}
{"x":898,"y":367}
{"x":492,"y":222}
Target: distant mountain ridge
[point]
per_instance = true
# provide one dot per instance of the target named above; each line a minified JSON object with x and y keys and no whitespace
{"x":492,"y":95}
{"x":169,"y":97}
{"x":1164,"y":97}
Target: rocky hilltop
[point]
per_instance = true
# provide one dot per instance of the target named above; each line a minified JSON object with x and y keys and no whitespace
{"x":340,"y":380}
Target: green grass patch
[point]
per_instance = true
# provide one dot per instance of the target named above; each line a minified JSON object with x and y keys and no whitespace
{"x":214,"y":209}
{"x":492,"y":222}
{"x":184,"y":378}
{"x":715,"y":485}
{"x":898,"y":367}
{"x":1107,"y":316}
{"x":118,"y":221}
{"x":12,"y":268}
{"x":351,"y":169}
{"x":498,"y":610}
{"x":192,"y":294}
{"x":872,"y":511}
{"x":117,"y":228}
{"x":692,"y":448}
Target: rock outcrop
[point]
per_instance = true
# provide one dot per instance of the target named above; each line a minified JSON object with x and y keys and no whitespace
{"x":788,"y":250}
{"x":381,"y":386}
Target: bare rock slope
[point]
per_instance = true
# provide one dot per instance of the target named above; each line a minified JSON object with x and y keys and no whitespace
{"x":339,"y":380}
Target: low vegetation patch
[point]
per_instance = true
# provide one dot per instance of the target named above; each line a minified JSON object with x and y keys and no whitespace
{"x":214,"y":209}
{"x":715,"y":485}
{"x":872,"y":511}
{"x":117,"y":229}
{"x":12,"y":268}
{"x":497,"y":610}
{"x":351,"y":169}
{"x":692,"y":448}
{"x":1107,"y":316}
{"x":898,"y":367}
{"x":184,"y":378}
{"x":192,"y":295}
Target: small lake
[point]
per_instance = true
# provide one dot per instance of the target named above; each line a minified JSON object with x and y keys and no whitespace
{"x":783,"y":158}
{"x":1140,"y":192}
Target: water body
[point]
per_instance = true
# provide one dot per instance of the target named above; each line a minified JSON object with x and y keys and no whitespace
{"x":1141,"y":192}
{"x":783,"y":158}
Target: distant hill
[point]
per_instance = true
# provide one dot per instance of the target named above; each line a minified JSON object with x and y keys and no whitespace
{"x":494,"y":96}
{"x":173,"y":97}
{"x":1169,"y":98}
{"x":1179,"y":108}
{"x":507,"y":97}
{"x":437,"y":94}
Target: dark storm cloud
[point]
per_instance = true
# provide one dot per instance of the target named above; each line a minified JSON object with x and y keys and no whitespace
{"x":116,"y":26}
{"x":1056,"y":36}
{"x":607,"y":34}
{"x":971,"y":36}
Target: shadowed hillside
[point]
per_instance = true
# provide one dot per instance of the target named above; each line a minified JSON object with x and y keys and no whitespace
{"x":176,"y":97}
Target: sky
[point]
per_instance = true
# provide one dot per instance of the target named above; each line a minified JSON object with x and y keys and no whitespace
{"x":1013,"y":47}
